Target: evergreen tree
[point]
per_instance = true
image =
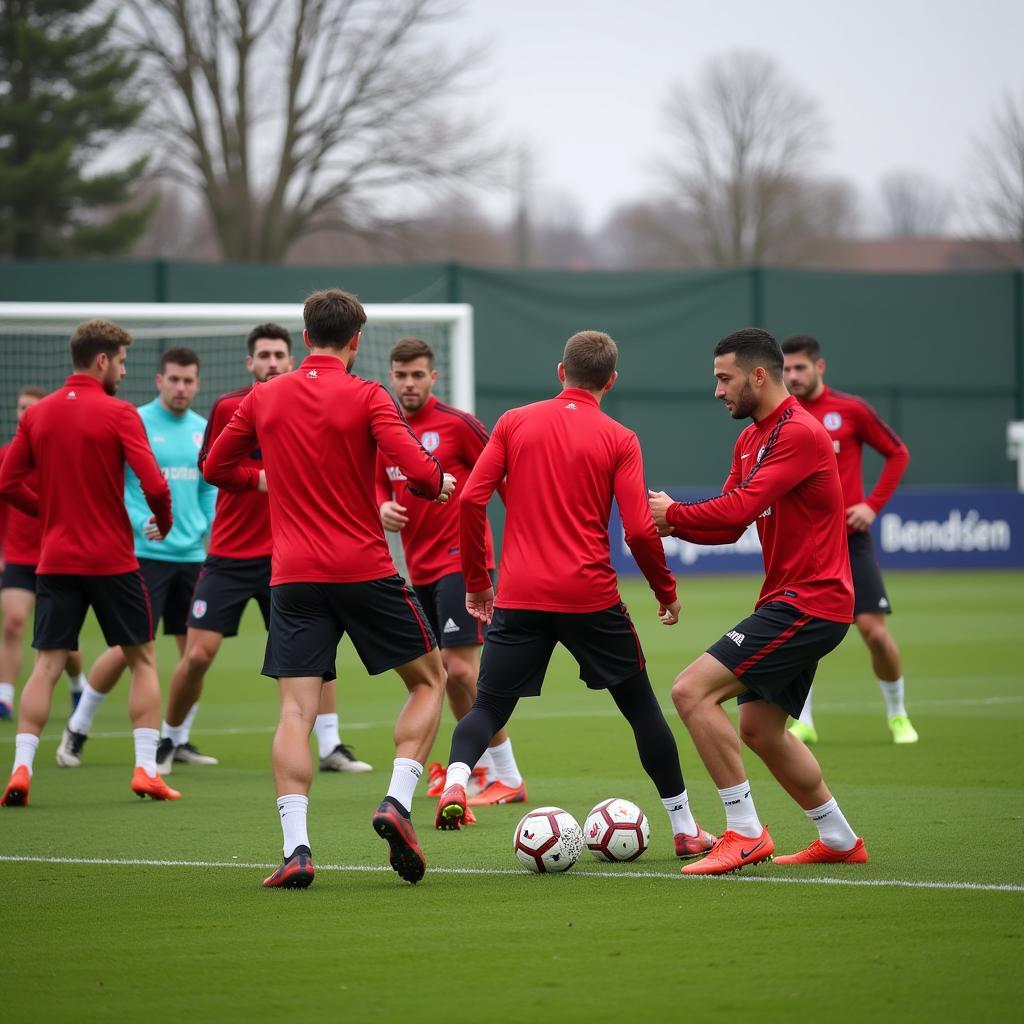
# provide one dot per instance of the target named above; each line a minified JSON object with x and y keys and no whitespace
{"x":64,"y":96}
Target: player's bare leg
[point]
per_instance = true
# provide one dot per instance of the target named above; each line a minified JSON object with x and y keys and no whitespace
{"x":144,"y":711}
{"x":335,"y":756}
{"x":15,"y":607}
{"x":415,"y":730}
{"x":201,"y":647}
{"x":885,"y":660}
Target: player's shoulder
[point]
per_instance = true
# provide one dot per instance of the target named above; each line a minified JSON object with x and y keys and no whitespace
{"x":460,"y":419}
{"x":847,"y":400}
{"x":798,"y":419}
{"x":230,"y":398}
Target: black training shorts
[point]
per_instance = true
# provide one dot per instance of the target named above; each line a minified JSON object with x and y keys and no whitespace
{"x":121,"y":604}
{"x":775,"y":653}
{"x":18,"y":576}
{"x":444,"y":602}
{"x":170,"y":586}
{"x":519,"y":643}
{"x":224,"y":588}
{"x":382,"y":617}
{"x":868,"y":589}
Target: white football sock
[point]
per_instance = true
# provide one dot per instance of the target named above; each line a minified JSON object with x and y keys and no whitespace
{"x":505,"y":768}
{"x":293,"y":808}
{"x":7,"y":694}
{"x":77,"y":683}
{"x":833,"y":829}
{"x":457,"y":775}
{"x":186,"y":726}
{"x":805,"y":715}
{"x":893,"y":694}
{"x":145,"y":749}
{"x":25,"y":746}
{"x":174,"y":733}
{"x":404,"y":776}
{"x":740,"y":814}
{"x":678,"y":808}
{"x":326,"y":729}
{"x":89,"y":703}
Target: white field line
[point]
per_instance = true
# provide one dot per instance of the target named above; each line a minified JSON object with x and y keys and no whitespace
{"x":876,"y":883}
{"x":923,"y":703}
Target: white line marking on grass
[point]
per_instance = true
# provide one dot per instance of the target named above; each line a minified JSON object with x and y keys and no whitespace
{"x":877,"y":883}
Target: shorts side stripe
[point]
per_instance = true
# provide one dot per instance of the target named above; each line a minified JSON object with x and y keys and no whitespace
{"x":423,"y":629}
{"x":149,"y":607}
{"x":785,"y":635}
{"x":636,"y":640}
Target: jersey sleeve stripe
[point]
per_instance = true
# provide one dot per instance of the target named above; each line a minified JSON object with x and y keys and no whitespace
{"x":471,"y":421}
{"x":869,"y":409}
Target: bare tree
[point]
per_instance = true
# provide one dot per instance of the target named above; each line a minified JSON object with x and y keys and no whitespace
{"x":743,"y":172}
{"x":913,"y":206}
{"x":294,"y":116}
{"x":999,"y":179}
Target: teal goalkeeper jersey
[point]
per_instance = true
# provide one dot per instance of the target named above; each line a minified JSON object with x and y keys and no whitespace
{"x":175,"y":441}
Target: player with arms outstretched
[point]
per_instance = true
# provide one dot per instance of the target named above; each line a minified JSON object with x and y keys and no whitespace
{"x":563,"y":461}
{"x":851,"y":424}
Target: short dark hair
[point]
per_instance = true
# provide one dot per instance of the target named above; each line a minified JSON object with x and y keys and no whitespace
{"x":333,"y":317}
{"x":32,"y":391}
{"x":96,"y":337}
{"x":268,"y":331}
{"x":589,"y":360}
{"x":752,"y":347}
{"x":802,"y":343}
{"x":405,"y":350}
{"x":180,"y":357}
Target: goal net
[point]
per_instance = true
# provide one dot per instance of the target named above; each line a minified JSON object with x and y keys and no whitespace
{"x":34,"y":345}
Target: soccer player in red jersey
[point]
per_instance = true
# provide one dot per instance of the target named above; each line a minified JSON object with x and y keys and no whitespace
{"x":19,"y":553}
{"x":430,"y":540}
{"x":78,"y":440}
{"x":237,"y":570}
{"x":851,"y":424}
{"x":318,"y":429}
{"x":563,"y":461}
{"x":784,"y":478}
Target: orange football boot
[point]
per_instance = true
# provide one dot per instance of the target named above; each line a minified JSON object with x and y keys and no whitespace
{"x":435,"y":775}
{"x":16,"y":793}
{"x":498,"y":793}
{"x":819,"y":853}
{"x":451,"y":809}
{"x":144,"y":785}
{"x":732,"y":852}
{"x":695,"y":845}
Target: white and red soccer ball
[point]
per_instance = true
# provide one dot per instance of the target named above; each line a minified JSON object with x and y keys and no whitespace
{"x":548,"y":840}
{"x":617,"y":830}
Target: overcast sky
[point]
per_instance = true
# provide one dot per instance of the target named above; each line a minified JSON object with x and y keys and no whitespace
{"x":902,"y":84}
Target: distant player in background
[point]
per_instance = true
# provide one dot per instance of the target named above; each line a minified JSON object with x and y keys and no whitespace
{"x":19,"y":553}
{"x":851,"y":424}
{"x":237,"y":570}
{"x":430,"y":540}
{"x":170,"y":566}
{"x":319,"y":430}
{"x":784,"y":478}
{"x":563,"y":462}
{"x":79,"y":439}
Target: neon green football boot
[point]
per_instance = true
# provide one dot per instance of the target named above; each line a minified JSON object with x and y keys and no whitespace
{"x":805,"y":733}
{"x":901,"y":729}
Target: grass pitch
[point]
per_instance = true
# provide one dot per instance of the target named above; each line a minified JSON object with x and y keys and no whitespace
{"x":114,"y":909}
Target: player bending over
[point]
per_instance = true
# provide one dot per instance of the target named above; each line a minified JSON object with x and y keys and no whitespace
{"x":319,"y":428}
{"x":852,"y":423}
{"x":79,"y":439}
{"x":563,"y":461}
{"x":430,"y":540}
{"x":784,"y":478}
{"x":19,"y":548}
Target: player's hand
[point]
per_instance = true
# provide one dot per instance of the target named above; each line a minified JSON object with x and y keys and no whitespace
{"x":659,"y":502}
{"x":669,"y":613}
{"x":447,"y":489}
{"x":860,"y":516}
{"x":262,"y":486}
{"x":392,"y":516}
{"x":152,"y":531}
{"x":481,"y":605}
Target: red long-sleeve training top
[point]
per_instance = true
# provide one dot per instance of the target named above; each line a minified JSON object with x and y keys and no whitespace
{"x":79,"y":439}
{"x":784,"y":477}
{"x":563,"y":460}
{"x":19,"y":533}
{"x":241,"y":522}
{"x":319,"y":428}
{"x":852,"y":423}
{"x":430,"y":539}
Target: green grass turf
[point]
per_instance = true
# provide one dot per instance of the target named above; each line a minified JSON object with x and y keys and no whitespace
{"x":130,"y":942}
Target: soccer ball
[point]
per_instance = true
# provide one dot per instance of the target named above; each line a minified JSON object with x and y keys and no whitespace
{"x":548,"y":840}
{"x":617,"y":830}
